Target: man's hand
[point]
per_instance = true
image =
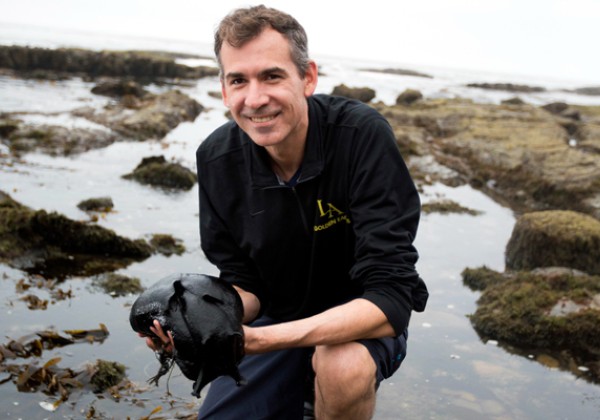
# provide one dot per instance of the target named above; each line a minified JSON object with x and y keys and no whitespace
{"x":160,"y":340}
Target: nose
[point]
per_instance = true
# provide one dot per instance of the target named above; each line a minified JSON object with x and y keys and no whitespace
{"x":256,"y":95}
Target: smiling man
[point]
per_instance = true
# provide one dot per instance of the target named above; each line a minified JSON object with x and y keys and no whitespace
{"x":308,"y":209}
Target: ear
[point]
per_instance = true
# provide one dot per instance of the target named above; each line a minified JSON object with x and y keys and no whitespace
{"x":310,"y":78}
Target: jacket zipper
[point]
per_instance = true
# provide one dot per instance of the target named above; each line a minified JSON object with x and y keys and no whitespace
{"x":301,"y":210}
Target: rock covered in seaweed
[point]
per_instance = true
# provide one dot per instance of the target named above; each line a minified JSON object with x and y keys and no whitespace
{"x":53,"y":139}
{"x":555,"y":238}
{"x":363,"y":94}
{"x":38,"y":241}
{"x":64,"y":62}
{"x":153,"y":116}
{"x":156,"y":171}
{"x":552,"y":311}
{"x":521,"y":155}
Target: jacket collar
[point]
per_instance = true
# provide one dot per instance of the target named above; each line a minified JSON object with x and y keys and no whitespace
{"x":261,"y":174}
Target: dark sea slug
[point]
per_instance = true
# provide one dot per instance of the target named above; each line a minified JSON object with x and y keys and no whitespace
{"x":204,"y":315}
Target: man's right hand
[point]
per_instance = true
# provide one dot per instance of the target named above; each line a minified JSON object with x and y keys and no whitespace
{"x":159,"y":340}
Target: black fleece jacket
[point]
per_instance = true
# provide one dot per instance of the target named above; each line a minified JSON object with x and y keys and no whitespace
{"x":345,"y":230}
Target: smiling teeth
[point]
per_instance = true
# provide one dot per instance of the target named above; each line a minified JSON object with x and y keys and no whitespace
{"x":261,"y":119}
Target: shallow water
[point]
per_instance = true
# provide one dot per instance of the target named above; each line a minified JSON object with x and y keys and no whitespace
{"x":449,"y":372}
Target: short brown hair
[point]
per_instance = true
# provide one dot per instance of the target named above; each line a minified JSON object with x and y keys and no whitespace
{"x":243,"y":25}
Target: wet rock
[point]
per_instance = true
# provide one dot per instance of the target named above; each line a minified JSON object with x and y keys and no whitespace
{"x":510,"y":87}
{"x":119,"y":88}
{"x":513,"y":101}
{"x":446,"y":207}
{"x":118,"y":284}
{"x":7,"y":125}
{"x":156,"y":171}
{"x":425,"y":170}
{"x":482,"y":277}
{"x":50,"y":243}
{"x":587,"y":128}
{"x":363,"y":94}
{"x":65,"y":62}
{"x":523,"y":156}
{"x":107,"y":374}
{"x":152,"y":117}
{"x":555,"y":107}
{"x":554,"y":312}
{"x":591,"y":91}
{"x":555,"y":238}
{"x":56,"y":140}
{"x":100,"y":204}
{"x":400,"y":72}
{"x":408,"y":97}
{"x":167,"y":244}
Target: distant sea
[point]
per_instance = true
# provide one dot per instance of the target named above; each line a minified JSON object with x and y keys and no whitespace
{"x":445,"y":82}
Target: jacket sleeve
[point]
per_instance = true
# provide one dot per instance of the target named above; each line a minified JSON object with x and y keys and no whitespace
{"x":218,"y":243}
{"x":385,"y":209}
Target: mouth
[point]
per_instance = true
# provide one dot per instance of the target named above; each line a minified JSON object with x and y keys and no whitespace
{"x":263,"y":119}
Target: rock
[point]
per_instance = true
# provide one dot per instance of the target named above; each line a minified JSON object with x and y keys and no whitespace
{"x":119,"y":88}
{"x":50,"y":243}
{"x":156,"y":171}
{"x":101,"y":204}
{"x":481,"y":278}
{"x":118,"y":284}
{"x":153,"y":117}
{"x":65,"y":62}
{"x":363,"y":94}
{"x":106,"y":374}
{"x":400,"y":72}
{"x":552,"y":312}
{"x":8,"y":125}
{"x":510,"y":87}
{"x":523,"y":156}
{"x":57,"y":140}
{"x":408,"y":97}
{"x":446,"y":207}
{"x":167,"y":244}
{"x":555,"y":107}
{"x":555,"y":238}
{"x":513,"y":101}
{"x":591,"y":91}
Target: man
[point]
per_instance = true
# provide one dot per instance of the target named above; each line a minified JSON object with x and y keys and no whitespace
{"x":307,"y":208}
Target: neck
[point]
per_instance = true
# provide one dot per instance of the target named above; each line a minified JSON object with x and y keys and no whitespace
{"x":286,"y":161}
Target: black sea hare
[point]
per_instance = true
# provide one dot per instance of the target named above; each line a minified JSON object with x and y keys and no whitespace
{"x":204,"y":315}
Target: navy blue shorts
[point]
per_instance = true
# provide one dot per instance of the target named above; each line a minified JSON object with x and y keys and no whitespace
{"x":279,"y":382}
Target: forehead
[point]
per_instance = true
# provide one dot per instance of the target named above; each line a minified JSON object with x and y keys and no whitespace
{"x":268,"y":49}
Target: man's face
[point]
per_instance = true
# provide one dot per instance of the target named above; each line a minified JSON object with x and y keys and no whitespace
{"x":264,"y":92}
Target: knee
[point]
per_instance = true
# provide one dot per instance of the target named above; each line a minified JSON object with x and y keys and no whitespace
{"x":347,"y":370}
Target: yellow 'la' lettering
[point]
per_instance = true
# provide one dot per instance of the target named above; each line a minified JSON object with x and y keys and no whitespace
{"x":330,"y":210}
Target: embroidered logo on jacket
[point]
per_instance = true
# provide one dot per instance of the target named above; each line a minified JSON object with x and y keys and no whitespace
{"x":332,"y":214}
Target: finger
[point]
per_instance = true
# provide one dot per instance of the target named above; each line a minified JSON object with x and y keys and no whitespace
{"x":156,"y":329}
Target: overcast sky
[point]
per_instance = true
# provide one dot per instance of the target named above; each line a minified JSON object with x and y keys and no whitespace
{"x":549,"y":38}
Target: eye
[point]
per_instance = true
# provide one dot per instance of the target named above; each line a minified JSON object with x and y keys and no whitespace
{"x":273,"y":77}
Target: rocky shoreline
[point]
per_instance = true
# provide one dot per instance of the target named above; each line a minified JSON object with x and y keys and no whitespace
{"x":534,"y":159}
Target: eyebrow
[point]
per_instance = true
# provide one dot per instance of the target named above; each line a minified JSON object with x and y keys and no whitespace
{"x":262,"y":73}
